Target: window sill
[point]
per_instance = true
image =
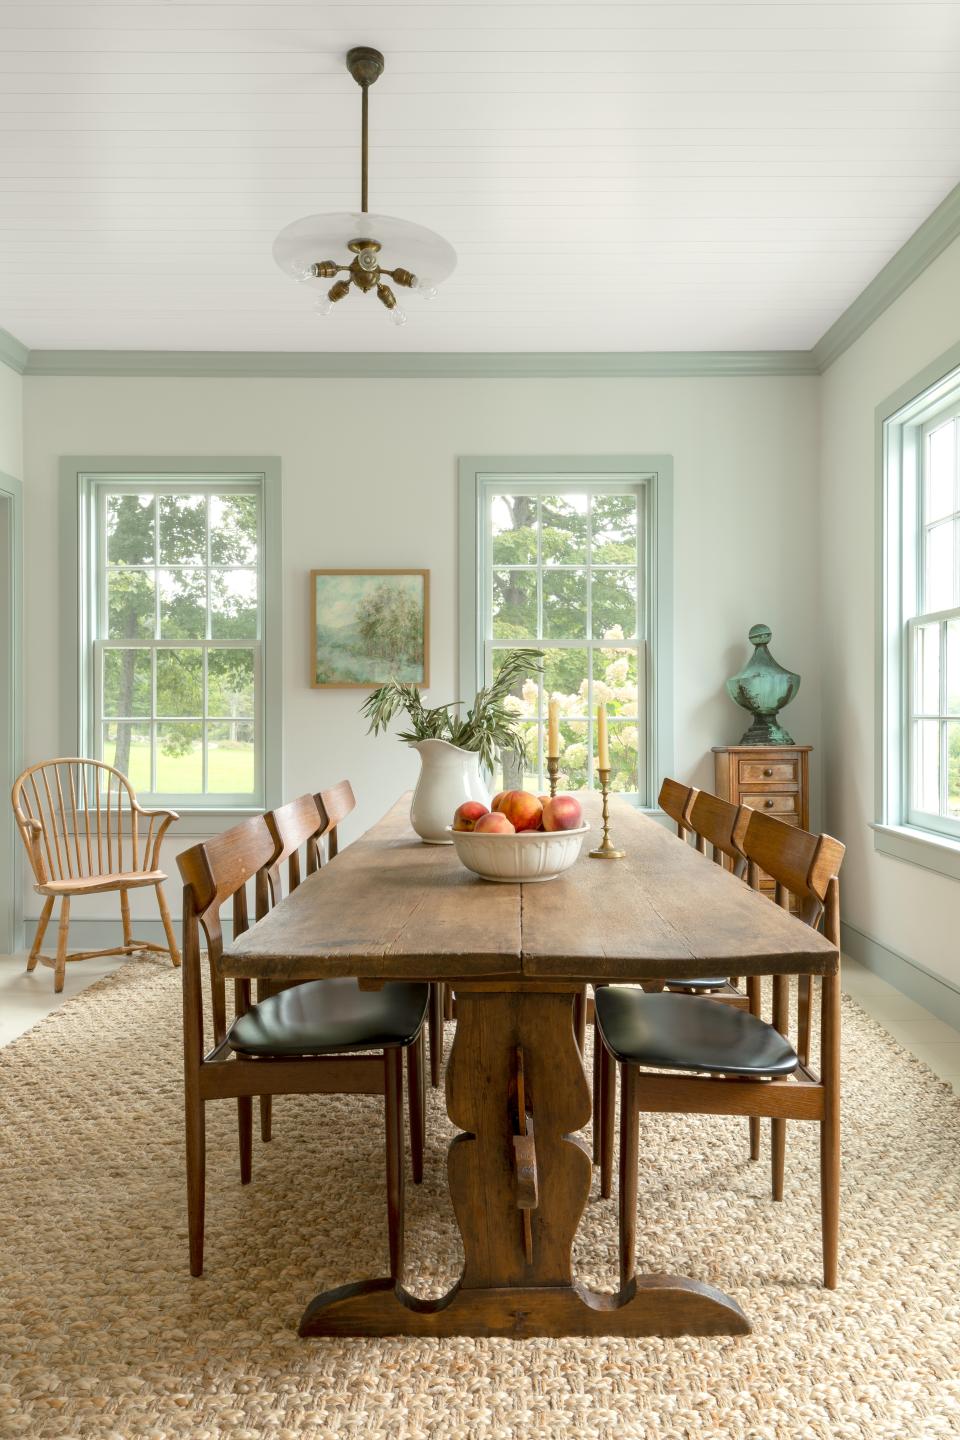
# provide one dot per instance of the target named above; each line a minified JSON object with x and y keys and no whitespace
{"x":918,"y":847}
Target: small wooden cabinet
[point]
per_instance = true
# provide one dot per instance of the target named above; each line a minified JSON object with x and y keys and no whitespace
{"x":772,"y":778}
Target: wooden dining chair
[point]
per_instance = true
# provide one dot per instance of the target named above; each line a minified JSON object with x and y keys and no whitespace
{"x":731,"y":1062}
{"x":300,"y":827}
{"x":714,"y":822}
{"x":319,"y":1037}
{"x":721,"y":826}
{"x":675,"y":800}
{"x":86,"y":834}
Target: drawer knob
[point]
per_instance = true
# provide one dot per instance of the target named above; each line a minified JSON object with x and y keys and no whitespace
{"x":768,"y":804}
{"x":768,"y":771}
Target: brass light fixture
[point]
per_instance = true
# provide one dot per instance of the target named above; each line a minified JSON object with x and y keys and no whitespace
{"x":427,"y":258}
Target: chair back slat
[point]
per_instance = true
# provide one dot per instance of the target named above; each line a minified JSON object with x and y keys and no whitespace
{"x":78,"y":819}
{"x":717,"y":823}
{"x":293,"y":826}
{"x":335,"y":805}
{"x":675,"y":800}
{"x":800,"y":863}
{"x":214,"y":872}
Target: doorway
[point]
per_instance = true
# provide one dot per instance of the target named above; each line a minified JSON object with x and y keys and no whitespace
{"x":11,"y":690}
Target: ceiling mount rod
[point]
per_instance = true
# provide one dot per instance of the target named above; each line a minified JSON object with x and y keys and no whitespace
{"x":366,"y":66}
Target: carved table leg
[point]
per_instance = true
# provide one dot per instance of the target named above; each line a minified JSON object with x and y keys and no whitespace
{"x":517,"y":1277}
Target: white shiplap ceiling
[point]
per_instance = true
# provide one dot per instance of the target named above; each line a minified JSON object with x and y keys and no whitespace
{"x":644,"y":176}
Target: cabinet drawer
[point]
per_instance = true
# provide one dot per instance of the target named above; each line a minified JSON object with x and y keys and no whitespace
{"x":782,"y":771}
{"x":781,"y":807}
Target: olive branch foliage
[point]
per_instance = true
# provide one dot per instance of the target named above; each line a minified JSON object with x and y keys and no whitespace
{"x":488,"y":727}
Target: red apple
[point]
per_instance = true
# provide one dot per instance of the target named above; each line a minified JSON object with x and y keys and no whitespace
{"x":522,"y":809}
{"x":493,"y":824}
{"x":562,"y":813}
{"x":468,"y":814}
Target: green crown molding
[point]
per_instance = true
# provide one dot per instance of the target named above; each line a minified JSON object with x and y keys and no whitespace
{"x":910,"y":261}
{"x":923,"y":246}
{"x":13,"y":353}
{"x":423,"y":365}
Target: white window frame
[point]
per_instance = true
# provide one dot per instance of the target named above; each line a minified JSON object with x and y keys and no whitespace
{"x":650,"y":477}
{"x":86,"y":482}
{"x":903,"y":423}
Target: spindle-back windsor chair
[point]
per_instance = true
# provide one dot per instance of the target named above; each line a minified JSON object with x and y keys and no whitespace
{"x":82,"y":826}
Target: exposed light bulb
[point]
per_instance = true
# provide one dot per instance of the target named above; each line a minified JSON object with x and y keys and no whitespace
{"x":424,"y":287}
{"x":324,"y":306}
{"x":398,"y":316}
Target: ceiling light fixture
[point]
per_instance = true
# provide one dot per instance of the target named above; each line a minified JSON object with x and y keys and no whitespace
{"x":369,"y":238}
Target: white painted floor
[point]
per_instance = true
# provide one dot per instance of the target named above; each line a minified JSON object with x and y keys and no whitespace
{"x":25,"y":999}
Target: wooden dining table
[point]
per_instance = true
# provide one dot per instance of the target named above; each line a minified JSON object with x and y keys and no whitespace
{"x":390,"y":907}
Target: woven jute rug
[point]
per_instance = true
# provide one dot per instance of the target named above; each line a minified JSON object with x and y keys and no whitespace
{"x":103,"y":1332}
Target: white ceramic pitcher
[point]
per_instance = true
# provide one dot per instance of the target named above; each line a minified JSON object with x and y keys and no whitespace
{"x":448,"y":777}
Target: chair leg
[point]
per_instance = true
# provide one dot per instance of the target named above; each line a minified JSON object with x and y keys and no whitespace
{"x":168,"y":929}
{"x":245,"y":1128}
{"x":435,"y":1023}
{"x":125,"y":920}
{"x":597,"y":1090}
{"x":778,"y":1128}
{"x":393,"y":1090}
{"x":42,"y":923}
{"x":416,"y":1099}
{"x":830,"y":1129}
{"x":607,"y":1108}
{"x":754,"y":999}
{"x":60,"y":969}
{"x":196,"y":1174}
{"x":266,"y":1101}
{"x":629,"y":1168}
{"x":448,"y":1002}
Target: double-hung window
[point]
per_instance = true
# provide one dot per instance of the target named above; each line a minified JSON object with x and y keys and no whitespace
{"x":567,"y":563}
{"x":172,"y":635}
{"x":933,"y":644}
{"x":920,"y":777}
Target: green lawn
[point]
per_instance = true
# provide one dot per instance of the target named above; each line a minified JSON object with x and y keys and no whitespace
{"x":230,"y":769}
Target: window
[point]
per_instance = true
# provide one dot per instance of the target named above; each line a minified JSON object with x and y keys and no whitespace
{"x":933,"y":644}
{"x":173,"y":625}
{"x":920,"y":780}
{"x":565,"y":562}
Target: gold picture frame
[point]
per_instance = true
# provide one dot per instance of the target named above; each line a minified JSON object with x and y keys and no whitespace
{"x":369,"y":626}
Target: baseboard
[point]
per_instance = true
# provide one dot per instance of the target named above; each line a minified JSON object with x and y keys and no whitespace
{"x":912,"y":979}
{"x":89,"y":934}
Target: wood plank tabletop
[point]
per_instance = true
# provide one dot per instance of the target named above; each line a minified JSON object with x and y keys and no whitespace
{"x":391,"y":907}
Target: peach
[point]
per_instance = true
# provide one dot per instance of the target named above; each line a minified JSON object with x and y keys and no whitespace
{"x":522,"y":809}
{"x":468,"y":814}
{"x":494,"y":824}
{"x":498,"y":799}
{"x":562,"y":813}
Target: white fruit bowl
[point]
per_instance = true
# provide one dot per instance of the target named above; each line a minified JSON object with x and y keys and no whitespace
{"x":528,"y":856}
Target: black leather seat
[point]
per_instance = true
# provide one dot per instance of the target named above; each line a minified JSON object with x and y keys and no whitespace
{"x":326,"y":1016}
{"x":701,"y":986}
{"x":679,"y":1032}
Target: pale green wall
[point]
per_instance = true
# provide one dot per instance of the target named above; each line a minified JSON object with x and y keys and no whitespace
{"x":911,"y":911}
{"x":370,"y":478}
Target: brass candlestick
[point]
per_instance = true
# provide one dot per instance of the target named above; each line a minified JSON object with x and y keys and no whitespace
{"x":606,"y":851}
{"x":553,"y":768}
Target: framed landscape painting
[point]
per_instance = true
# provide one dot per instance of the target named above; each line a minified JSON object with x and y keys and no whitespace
{"x":370,"y":626}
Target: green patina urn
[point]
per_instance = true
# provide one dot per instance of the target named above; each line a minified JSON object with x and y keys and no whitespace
{"x":763,"y":687}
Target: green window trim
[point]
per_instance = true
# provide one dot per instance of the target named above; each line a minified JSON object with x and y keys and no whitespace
{"x":900,"y":832}
{"x":79,"y":477}
{"x":481,"y":475}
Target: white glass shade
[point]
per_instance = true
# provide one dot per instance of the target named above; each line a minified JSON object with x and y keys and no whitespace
{"x":325,"y":237}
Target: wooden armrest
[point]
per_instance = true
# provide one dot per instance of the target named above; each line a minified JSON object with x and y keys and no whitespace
{"x":155,"y":814}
